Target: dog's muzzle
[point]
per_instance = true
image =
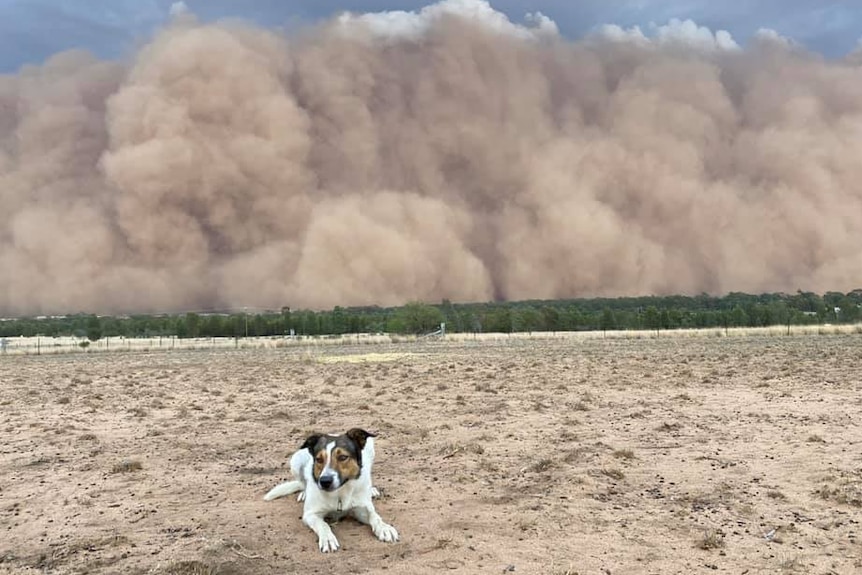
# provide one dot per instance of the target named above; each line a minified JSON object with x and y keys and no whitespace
{"x":326,"y":482}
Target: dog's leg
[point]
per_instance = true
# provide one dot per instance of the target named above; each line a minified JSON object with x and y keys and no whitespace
{"x":382,"y":530}
{"x":325,"y":537}
{"x":285,"y":488}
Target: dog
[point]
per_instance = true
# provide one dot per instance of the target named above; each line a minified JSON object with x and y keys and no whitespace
{"x":332,"y":474}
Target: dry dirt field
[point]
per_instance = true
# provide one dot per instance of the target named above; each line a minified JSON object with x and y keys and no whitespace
{"x":592,"y":456}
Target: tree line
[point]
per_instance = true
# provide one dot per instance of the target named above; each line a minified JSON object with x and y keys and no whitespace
{"x":626,"y":313}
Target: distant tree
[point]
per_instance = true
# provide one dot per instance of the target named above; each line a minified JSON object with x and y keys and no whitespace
{"x":94,"y":328}
{"x":738,"y":317}
{"x":608,"y":321}
{"x":212,"y":326}
{"x":778,"y":313}
{"x":571,"y":319}
{"x":652,"y":318}
{"x":551,"y":317}
{"x":665,"y":319}
{"x":498,"y":320}
{"x":417,"y":318}
{"x":286,"y":320}
{"x":235,"y":325}
{"x":338,"y":321}
{"x":526,"y":319}
{"x":807,"y":301}
{"x":832,"y":299}
{"x":474,"y":322}
{"x":850,"y":311}
{"x":193,"y":325}
{"x":451,"y":316}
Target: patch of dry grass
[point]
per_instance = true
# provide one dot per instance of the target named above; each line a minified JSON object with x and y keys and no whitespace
{"x":614,"y":473}
{"x":127,"y":466}
{"x":711,"y":539}
{"x":541,"y":466}
{"x":190,"y":568}
{"x":453,"y":449}
{"x":625,"y":454}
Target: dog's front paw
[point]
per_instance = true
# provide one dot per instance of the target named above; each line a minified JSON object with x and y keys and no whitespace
{"x":301,"y":496}
{"x":375,"y":493}
{"x":386,"y":533}
{"x":327,"y":542}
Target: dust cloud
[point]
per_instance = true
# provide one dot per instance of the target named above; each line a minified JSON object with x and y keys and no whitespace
{"x":448,"y":153}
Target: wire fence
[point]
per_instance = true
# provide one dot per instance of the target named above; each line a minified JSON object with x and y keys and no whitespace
{"x":41,"y":345}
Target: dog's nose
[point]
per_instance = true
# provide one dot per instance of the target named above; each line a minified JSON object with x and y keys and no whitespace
{"x":326,"y":481}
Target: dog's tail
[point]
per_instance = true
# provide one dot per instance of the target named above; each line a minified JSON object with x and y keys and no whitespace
{"x":283,"y":489}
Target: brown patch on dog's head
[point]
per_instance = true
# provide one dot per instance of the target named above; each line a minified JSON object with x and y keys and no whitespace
{"x":346,"y":462}
{"x":316,"y":444}
{"x":347,"y":454}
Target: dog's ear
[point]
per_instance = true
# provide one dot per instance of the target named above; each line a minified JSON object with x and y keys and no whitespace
{"x":359,"y":436}
{"x":310,"y":442}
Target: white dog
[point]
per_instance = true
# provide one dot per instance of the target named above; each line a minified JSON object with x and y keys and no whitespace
{"x":333,"y":477}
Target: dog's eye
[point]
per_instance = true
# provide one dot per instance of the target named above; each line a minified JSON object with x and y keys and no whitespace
{"x":342,"y":458}
{"x":319,"y":459}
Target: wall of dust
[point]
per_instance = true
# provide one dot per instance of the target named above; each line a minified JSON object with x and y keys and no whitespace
{"x":449,"y":153}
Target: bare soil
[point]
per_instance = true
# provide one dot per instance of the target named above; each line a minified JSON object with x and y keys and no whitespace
{"x":642,"y":455}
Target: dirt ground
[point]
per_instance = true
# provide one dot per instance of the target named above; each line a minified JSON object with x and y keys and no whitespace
{"x":606,"y":456}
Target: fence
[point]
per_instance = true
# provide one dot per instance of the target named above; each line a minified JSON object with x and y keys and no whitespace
{"x":57,"y":345}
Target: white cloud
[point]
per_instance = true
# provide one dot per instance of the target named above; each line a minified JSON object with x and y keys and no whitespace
{"x":542,"y":23}
{"x":179,"y":8}
{"x":771,"y":36}
{"x":399,"y":23}
{"x":620,"y":34}
{"x":688,"y":33}
{"x":676,"y":32}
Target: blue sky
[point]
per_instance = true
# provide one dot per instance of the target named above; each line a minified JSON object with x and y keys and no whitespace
{"x":32,"y":30}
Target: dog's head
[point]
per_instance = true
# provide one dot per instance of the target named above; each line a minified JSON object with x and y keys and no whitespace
{"x":337,"y":458}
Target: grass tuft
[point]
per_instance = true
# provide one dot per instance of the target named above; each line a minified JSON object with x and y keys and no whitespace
{"x":626,"y":454}
{"x":127,"y":466}
{"x":711,"y":539}
{"x":615,"y":474}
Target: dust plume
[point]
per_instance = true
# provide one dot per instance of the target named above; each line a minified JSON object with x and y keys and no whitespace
{"x":447,"y":153}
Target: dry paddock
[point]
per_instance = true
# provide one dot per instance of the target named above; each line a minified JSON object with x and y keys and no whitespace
{"x":703,"y":454}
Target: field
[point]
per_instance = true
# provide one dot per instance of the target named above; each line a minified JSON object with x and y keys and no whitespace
{"x":584,"y":455}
